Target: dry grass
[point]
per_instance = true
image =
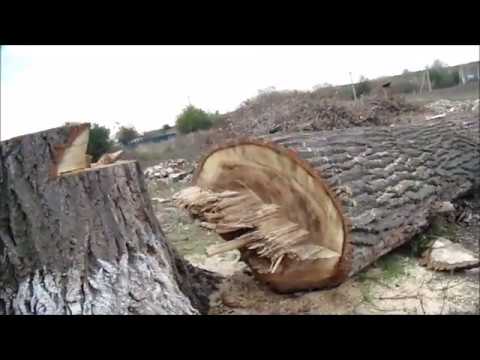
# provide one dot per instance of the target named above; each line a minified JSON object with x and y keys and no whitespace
{"x":464,"y":92}
{"x":189,"y":147}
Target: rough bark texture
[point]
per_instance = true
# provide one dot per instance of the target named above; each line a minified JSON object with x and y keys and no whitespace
{"x":390,"y":178}
{"x":388,"y":181}
{"x":85,"y":242}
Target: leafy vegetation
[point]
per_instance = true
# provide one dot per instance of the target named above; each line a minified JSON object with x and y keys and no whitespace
{"x":392,"y":267}
{"x":193,"y":119}
{"x":363,"y":87}
{"x":126,"y":134}
{"x":441,"y":77}
{"x":99,"y":141}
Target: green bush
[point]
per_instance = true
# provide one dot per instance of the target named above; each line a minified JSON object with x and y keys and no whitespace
{"x":214,"y":117}
{"x":442,"y":78}
{"x":193,"y":119}
{"x":99,"y":141}
{"x":363,"y":87}
{"x":126,"y":134}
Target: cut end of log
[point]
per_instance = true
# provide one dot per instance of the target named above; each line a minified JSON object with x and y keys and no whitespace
{"x":276,"y":210}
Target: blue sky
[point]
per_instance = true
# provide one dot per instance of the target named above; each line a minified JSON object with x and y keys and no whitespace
{"x":147,"y":86}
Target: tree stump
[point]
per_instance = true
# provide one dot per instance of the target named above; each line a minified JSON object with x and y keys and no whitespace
{"x":307,"y":210}
{"x":76,"y":239}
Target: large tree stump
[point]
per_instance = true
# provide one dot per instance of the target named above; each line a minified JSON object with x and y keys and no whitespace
{"x":81,"y":240}
{"x":307,"y":210}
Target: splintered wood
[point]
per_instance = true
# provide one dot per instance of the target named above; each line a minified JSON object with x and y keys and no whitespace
{"x":254,"y":225}
{"x":109,"y":158}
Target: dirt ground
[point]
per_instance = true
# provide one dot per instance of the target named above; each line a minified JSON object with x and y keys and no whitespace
{"x":396,"y":284}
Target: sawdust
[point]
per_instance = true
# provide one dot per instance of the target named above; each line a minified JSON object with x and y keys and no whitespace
{"x":419,"y":291}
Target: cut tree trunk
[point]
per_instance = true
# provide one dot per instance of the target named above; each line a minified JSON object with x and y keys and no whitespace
{"x":307,"y":210}
{"x":82,"y":240}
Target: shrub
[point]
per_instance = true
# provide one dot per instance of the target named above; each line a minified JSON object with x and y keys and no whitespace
{"x":441,"y":77}
{"x":363,"y":87}
{"x":193,"y":119}
{"x":99,"y":141}
{"x":126,"y":134}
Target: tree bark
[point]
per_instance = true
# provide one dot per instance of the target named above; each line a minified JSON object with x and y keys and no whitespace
{"x":394,"y":176}
{"x":359,"y":192}
{"x":80,"y":240}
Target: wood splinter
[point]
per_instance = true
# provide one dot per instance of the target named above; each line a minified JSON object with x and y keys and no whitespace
{"x":257,"y":227}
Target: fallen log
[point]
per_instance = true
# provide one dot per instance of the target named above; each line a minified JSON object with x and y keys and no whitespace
{"x":84,"y":240}
{"x":338,"y":199}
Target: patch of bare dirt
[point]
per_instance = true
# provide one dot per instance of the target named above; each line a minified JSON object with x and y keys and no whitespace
{"x":396,"y":284}
{"x":415,"y":290}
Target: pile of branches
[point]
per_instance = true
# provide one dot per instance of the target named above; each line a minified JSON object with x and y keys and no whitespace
{"x":297,"y":111}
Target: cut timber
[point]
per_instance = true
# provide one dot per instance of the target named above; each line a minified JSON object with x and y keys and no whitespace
{"x":349,"y":196}
{"x":84,"y":241}
{"x":445,"y":255}
{"x":106,"y":159}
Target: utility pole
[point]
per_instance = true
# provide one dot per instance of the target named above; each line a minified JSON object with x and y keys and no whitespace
{"x":353,"y":87}
{"x":428,"y":80}
{"x":422,"y":83}
{"x":461,"y":74}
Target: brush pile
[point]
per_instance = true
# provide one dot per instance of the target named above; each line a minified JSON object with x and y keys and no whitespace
{"x":296,"y":111}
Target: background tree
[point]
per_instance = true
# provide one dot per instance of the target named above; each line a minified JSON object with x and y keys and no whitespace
{"x":99,"y":141}
{"x":442,"y":77}
{"x":363,"y":87}
{"x":438,"y":64}
{"x":193,"y":119}
{"x":166,"y":127}
{"x":126,"y":134}
{"x":214,"y":117}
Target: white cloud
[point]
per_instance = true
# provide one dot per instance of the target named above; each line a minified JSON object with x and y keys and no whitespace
{"x":147,"y":86}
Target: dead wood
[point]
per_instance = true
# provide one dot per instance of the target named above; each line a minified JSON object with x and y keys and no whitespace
{"x":347,"y":196}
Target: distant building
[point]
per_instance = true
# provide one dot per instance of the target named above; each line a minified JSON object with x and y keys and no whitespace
{"x":154,"y":136}
{"x":471,"y":71}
